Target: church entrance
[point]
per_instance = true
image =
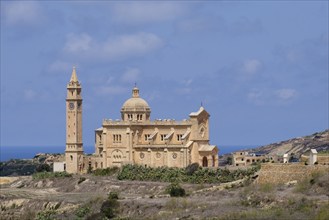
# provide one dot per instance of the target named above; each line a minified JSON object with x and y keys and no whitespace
{"x":205,"y":162}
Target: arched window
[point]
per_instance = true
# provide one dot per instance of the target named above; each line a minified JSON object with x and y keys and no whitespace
{"x":205,"y":162}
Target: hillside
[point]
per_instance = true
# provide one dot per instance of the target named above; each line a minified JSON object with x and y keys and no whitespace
{"x":299,"y":145}
{"x":22,"y":167}
{"x":87,"y":197}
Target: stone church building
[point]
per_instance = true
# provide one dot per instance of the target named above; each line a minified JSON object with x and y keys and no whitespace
{"x":136,"y":139}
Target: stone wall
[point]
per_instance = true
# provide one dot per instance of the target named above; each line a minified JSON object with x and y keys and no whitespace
{"x":322,"y":159}
{"x":283,"y":173}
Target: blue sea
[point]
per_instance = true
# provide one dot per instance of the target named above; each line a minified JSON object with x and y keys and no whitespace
{"x":28,"y":152}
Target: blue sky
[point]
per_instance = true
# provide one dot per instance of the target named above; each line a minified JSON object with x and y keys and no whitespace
{"x":260,"y":68}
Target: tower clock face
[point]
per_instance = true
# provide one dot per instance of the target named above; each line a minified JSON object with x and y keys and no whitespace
{"x":71,"y":106}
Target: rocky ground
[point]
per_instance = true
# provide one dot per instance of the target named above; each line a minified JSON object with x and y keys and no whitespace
{"x":82,"y":197}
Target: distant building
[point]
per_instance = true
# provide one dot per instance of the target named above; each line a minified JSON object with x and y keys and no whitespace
{"x":244,"y":158}
{"x":313,"y":156}
{"x":285,"y":158}
{"x":59,"y":166}
{"x":135,"y":139}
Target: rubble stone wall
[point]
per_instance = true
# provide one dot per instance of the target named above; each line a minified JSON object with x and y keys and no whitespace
{"x":283,"y":173}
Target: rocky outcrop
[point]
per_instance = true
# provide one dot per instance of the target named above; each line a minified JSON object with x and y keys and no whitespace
{"x":299,"y":145}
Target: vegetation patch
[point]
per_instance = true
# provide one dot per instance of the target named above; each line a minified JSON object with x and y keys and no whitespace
{"x":175,"y":190}
{"x":81,"y":179}
{"x":106,"y":172}
{"x":49,"y":175}
{"x":110,"y":207}
{"x":317,"y":183}
{"x":185,"y":175}
{"x":17,"y":167}
{"x":82,"y":211}
{"x":46,"y":215}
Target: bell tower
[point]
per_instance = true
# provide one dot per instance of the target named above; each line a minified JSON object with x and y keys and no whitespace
{"x":74,"y":148}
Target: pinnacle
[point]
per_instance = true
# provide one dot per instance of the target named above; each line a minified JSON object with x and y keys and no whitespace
{"x":74,"y":77}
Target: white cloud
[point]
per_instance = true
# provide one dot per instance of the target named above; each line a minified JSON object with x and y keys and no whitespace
{"x":256,"y":96}
{"x":132,"y":45}
{"x":110,"y":90}
{"x":146,"y":12}
{"x":29,"y":94}
{"x":77,"y":43}
{"x":200,"y":24}
{"x":244,"y":26}
{"x":271,"y":97}
{"x":60,"y":66}
{"x":130,"y":75}
{"x":184,"y":91}
{"x":286,"y":94}
{"x":114,"y":48}
{"x":22,"y":13}
{"x":187,"y":82}
{"x":251,"y":66}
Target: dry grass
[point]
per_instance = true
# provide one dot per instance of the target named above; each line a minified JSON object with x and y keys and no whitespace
{"x":7,"y":180}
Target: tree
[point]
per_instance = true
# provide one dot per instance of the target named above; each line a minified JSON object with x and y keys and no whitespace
{"x":43,"y":168}
{"x":229,"y":160}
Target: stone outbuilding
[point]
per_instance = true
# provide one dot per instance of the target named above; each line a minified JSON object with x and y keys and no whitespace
{"x":313,"y":156}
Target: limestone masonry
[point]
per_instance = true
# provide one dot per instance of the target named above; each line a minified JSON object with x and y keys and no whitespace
{"x":135,"y":139}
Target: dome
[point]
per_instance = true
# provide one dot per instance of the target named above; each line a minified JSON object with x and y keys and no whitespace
{"x":135,"y":103}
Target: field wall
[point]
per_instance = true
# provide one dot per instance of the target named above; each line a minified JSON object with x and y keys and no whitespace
{"x":283,"y":173}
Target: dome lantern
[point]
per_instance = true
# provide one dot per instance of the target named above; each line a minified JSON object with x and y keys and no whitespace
{"x":135,"y":108}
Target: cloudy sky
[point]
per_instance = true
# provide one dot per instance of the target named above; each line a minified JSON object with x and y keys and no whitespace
{"x":259,"y":68}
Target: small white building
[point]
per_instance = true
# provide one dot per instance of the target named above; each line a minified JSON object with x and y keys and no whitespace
{"x":285,"y":158}
{"x":313,"y":156}
{"x":59,"y":167}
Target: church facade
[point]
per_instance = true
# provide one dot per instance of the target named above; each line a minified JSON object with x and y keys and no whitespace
{"x":136,"y":139}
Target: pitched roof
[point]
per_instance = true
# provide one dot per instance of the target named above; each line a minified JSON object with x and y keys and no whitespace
{"x":198,"y":112}
{"x":314,"y":151}
{"x":207,"y":147}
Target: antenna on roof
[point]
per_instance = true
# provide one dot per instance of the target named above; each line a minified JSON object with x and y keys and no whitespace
{"x":201,"y":104}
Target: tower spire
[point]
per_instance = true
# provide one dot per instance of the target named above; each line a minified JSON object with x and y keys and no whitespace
{"x":74,"y":77}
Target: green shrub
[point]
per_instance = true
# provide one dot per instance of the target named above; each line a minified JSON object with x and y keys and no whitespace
{"x":323,"y":213}
{"x":192,"y":168}
{"x":82,"y":211}
{"x":266,"y":187}
{"x":175,"y":190}
{"x":46,"y":215}
{"x":113,"y":195}
{"x":173,"y":174}
{"x":106,"y":172}
{"x":43,"y":168}
{"x":46,"y":175}
{"x":111,"y":206}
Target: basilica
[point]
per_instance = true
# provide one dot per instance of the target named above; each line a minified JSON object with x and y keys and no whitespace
{"x":136,"y":139}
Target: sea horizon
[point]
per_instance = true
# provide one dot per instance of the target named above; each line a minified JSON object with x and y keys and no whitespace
{"x":28,"y":152}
